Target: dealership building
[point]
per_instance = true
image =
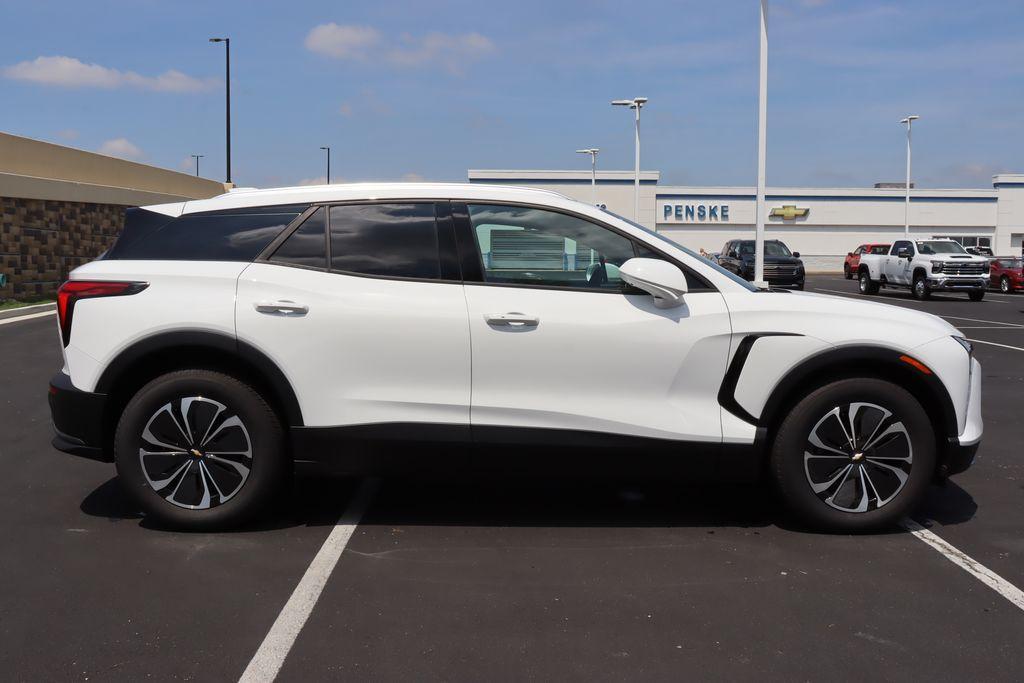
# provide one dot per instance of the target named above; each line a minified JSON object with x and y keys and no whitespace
{"x":823,"y":224}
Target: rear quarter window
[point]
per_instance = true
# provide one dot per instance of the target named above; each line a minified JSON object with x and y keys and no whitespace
{"x":232,"y":235}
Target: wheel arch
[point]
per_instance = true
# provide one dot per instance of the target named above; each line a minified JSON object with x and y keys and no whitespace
{"x":859,"y":361}
{"x":161,"y":353}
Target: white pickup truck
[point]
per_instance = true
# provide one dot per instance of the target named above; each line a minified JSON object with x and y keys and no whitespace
{"x":925,"y":266}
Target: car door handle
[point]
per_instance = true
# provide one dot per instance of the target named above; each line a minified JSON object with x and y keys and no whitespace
{"x":512,"y":319}
{"x":284,"y":306}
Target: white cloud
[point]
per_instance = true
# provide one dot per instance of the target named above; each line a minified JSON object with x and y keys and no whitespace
{"x":451,"y":52}
{"x":320,"y":180}
{"x":67,"y":134}
{"x":121,"y":147}
{"x":68,"y":72}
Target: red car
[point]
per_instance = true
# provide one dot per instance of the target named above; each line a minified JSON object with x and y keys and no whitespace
{"x":1007,"y":273}
{"x":853,"y":257}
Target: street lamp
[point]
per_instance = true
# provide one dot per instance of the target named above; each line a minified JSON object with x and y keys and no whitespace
{"x":227,"y":101}
{"x":593,"y":171}
{"x":762,"y":150}
{"x":909,"y":121}
{"x":197,"y":157}
{"x":328,"y":164}
{"x":636,"y":103}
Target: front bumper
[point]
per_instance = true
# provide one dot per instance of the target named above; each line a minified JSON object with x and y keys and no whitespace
{"x":957,"y":284}
{"x":77,"y":418}
{"x":960,"y":450}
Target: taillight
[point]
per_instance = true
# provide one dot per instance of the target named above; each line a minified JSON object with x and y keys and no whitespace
{"x":73,"y":290}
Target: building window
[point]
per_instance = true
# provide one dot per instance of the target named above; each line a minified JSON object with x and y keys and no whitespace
{"x":967,"y":240}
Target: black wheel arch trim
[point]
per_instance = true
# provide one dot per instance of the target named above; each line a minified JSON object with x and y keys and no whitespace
{"x":883,"y":363}
{"x":200,"y":339}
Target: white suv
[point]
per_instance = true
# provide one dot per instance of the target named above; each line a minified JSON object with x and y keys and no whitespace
{"x":221,"y":341}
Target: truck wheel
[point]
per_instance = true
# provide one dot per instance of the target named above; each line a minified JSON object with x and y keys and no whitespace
{"x":977,"y":295}
{"x":1004,"y":285}
{"x":867,"y":285}
{"x":854,"y":454}
{"x":200,"y":450}
{"x":847,"y":273}
{"x":920,"y":289}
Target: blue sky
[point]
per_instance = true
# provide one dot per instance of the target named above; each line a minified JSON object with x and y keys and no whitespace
{"x":429,"y":89}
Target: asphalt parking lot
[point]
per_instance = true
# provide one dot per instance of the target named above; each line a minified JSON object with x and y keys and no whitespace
{"x":480,"y":578}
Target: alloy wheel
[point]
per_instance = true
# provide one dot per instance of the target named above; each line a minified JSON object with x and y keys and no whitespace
{"x":195,"y":453}
{"x":858,"y":457}
{"x":1004,"y":285}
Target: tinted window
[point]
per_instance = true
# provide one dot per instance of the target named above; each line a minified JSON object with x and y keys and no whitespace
{"x":938,"y":247}
{"x":307,"y":246}
{"x":235,"y":235}
{"x":393,"y":240}
{"x":880,"y":249}
{"x":523,"y":245}
{"x":901,"y":244}
{"x":771,"y":248}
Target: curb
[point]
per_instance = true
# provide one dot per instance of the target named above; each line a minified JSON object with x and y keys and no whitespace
{"x":27,"y":310}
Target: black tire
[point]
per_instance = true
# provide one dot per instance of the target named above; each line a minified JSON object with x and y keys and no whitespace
{"x":792,"y":446}
{"x":800,"y":286}
{"x":225,"y":487}
{"x":920,"y":289}
{"x":977,"y":295}
{"x":1004,"y":285}
{"x":867,"y":285}
{"x":847,"y":273}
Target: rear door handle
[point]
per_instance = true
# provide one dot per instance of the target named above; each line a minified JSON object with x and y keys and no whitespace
{"x":284,"y":307}
{"x":512,"y":319}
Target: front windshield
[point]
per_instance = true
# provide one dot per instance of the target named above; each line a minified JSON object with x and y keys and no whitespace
{"x":711,"y":264}
{"x":770,"y":249}
{"x":940,"y":247}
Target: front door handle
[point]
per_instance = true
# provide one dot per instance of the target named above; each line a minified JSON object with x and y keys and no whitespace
{"x":284,"y":307}
{"x":512,"y":319}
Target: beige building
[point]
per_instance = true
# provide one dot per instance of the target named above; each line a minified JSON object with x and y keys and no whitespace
{"x":823,"y":224}
{"x":60,"y":207}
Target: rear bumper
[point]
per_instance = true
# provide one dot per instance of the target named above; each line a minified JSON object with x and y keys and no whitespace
{"x":77,"y":418}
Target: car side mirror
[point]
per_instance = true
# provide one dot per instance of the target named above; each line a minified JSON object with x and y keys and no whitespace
{"x":796,"y":254}
{"x":661,"y":279}
{"x":849,"y":253}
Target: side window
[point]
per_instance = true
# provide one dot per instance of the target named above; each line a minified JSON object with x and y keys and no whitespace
{"x":390,"y":240}
{"x":307,"y":246}
{"x":901,"y":244}
{"x":229,"y":235}
{"x":528,"y":246}
{"x":859,"y":251}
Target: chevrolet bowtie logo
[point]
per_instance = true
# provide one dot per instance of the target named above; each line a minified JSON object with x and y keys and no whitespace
{"x":788,"y":212}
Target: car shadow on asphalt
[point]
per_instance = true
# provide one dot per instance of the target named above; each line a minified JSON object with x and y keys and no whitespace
{"x":492,"y":500}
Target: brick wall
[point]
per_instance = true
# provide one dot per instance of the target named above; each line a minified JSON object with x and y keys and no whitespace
{"x":42,"y":240}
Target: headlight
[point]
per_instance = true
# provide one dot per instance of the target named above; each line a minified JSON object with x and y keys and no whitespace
{"x":966,"y":344}
{"x":936,"y":266}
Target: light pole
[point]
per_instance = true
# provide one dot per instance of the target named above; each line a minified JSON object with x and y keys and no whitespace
{"x":197,"y":157}
{"x":635,"y":104}
{"x":762,"y":150}
{"x":328,"y":164}
{"x":593,"y":171}
{"x":906,"y":208}
{"x":227,"y":99}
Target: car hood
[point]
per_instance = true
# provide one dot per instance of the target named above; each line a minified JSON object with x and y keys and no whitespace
{"x":837,"y":320}
{"x":955,"y":257}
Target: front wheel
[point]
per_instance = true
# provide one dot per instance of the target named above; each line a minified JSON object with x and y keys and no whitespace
{"x":1004,"y":285}
{"x":200,"y":450}
{"x":854,"y":454}
{"x":920,"y":289}
{"x":976,"y":296}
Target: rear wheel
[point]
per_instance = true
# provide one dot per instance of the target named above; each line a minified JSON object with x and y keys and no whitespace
{"x":1004,"y":285}
{"x":867,"y":285}
{"x":854,"y":454}
{"x":977,"y":295}
{"x":920,"y":288}
{"x":200,"y":450}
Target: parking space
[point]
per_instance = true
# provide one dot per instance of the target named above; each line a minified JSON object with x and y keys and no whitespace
{"x":482,"y":577}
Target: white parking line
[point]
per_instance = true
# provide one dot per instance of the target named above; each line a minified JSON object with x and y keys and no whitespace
{"x":270,"y":656}
{"x":1005,"y":346}
{"x":8,"y":321}
{"x":967,"y":563}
